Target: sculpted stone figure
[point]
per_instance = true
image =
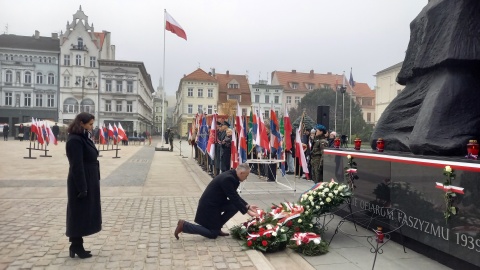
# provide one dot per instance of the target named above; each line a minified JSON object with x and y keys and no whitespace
{"x":439,"y":109}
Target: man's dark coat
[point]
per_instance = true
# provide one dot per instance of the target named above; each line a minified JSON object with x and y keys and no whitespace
{"x":220,"y":192}
{"x":84,"y":216}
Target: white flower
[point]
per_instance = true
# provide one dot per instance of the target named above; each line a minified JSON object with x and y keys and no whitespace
{"x":321,"y":203}
{"x":309,"y":192}
{"x":326,"y":190}
{"x":330,"y":195}
{"x":269,"y":226}
{"x":331,"y":184}
{"x":316,"y":241}
{"x":310,"y":198}
{"x":318,"y":207}
{"x":299,"y":220}
{"x":311,"y":225}
{"x":340,"y":188}
{"x":349,"y":157}
{"x":304,"y":195}
{"x":328,"y":200}
{"x":243,"y":227}
{"x":312,"y":203}
{"x":282,"y":230}
{"x":274,"y":233}
{"x":448,"y":169}
{"x":335,"y":191}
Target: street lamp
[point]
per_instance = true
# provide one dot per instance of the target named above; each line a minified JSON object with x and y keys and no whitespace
{"x":82,"y":81}
{"x":343,"y":90}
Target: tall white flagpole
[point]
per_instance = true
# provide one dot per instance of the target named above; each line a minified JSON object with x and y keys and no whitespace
{"x":163,"y":78}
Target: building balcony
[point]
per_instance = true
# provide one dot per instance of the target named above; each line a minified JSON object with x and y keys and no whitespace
{"x":79,"y":48}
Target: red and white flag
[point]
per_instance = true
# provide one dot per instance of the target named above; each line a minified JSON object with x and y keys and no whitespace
{"x":234,"y":151}
{"x":51,"y":137}
{"x":34,"y":128}
{"x":299,"y":151}
{"x":212,"y":138}
{"x":121,"y":132}
{"x":110,"y":130}
{"x":40,"y":132}
{"x":455,"y":189}
{"x":173,"y":26}
{"x":288,"y":130}
{"x":102,"y":135}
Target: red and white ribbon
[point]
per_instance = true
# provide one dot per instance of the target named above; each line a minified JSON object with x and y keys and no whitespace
{"x":351,"y":170}
{"x":300,"y":238}
{"x":455,"y":189}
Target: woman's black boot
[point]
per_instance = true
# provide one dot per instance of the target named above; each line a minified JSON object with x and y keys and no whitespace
{"x":77,"y":248}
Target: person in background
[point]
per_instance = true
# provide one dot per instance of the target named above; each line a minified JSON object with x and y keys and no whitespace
{"x":171,"y":133}
{"x":319,"y":144}
{"x":226,"y":150}
{"x":56,"y":131}
{"x":21,"y":132}
{"x":219,"y":202}
{"x":6,"y":129}
{"x":84,"y":213}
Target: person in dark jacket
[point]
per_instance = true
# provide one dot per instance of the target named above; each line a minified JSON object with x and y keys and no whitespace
{"x":21,"y":132}
{"x":6,"y":129}
{"x":219,"y":202}
{"x":226,"y":150}
{"x":84,"y":216}
{"x":56,"y":131}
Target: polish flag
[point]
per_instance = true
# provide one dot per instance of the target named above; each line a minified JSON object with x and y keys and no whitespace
{"x":34,"y":128}
{"x":212,"y":138}
{"x":115,"y":130}
{"x":299,"y":150}
{"x":102,"y":135}
{"x":234,"y":151}
{"x":40,"y":132}
{"x":110,"y":130}
{"x":242,"y":144}
{"x":51,"y":137}
{"x":288,"y":130}
{"x":121,"y":132}
{"x":173,"y":26}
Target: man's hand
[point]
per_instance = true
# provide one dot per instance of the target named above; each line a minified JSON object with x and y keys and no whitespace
{"x":252,"y":213}
{"x":254,"y":208}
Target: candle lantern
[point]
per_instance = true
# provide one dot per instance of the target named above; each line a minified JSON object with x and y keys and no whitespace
{"x":380,"y":145}
{"x":336,"y":142}
{"x":380,"y":234}
{"x":358,"y":143}
{"x":472,"y":148}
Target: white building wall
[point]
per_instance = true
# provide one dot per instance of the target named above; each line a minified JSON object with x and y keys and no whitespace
{"x":386,"y":90}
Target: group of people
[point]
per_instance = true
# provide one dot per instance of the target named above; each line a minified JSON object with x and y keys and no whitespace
{"x":24,"y":132}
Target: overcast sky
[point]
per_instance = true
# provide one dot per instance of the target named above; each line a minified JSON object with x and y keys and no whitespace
{"x":253,"y":37}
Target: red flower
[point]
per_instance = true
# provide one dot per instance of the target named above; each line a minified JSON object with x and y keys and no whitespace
{"x":273,"y":207}
{"x":249,"y":243}
{"x":289,"y":223}
{"x":245,"y":224}
{"x":297,"y":229}
{"x":264,"y":243}
{"x":305,"y":240}
{"x":268,"y":235}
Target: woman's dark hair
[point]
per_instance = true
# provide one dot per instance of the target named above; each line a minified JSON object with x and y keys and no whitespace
{"x":81,"y":118}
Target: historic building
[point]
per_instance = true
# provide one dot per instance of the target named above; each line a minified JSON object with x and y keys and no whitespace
{"x":266,"y":97}
{"x":197,"y":93}
{"x":365,"y":98}
{"x":29,"y":78}
{"x":232,"y":89}
{"x":160,"y":106}
{"x":81,"y":49}
{"x":125,"y":95}
{"x":387,"y":88}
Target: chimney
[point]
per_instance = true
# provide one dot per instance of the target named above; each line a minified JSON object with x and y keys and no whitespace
{"x":228,"y":73}
{"x":54,"y":35}
{"x":329,"y":73}
{"x":37,"y":34}
{"x":311,"y":73}
{"x":294,"y":71}
{"x":213,"y":72}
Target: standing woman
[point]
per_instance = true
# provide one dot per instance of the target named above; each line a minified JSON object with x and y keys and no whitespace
{"x":84,"y":216}
{"x":21,"y":132}
{"x":226,"y":146}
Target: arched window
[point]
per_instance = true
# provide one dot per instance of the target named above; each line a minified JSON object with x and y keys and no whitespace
{"x":80,"y":43}
{"x":70,"y":105}
{"x":51,"y":78}
{"x":78,"y":60}
{"x":39,"y":78}
{"x":87,"y":105}
{"x":9,"y":76}
{"x":28,"y":77}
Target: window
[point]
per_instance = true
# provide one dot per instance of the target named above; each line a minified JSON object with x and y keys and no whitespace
{"x":289,"y":99}
{"x":66,"y":60}
{"x":27,"y":101}
{"x":50,"y":100}
{"x":129,"y":86}
{"x":200,"y":109}
{"x":257,"y":98}
{"x":294,"y":85}
{"x":210,"y":109}
{"x":190,"y":92}
{"x":108,"y":85}
{"x":9,"y":76}
{"x":276,"y":113}
{"x":200,"y":92}
{"x":51,"y":78}
{"x":49,"y":60}
{"x":119,"y":86}
{"x":93,"y":61}
{"x":310,"y":86}
{"x":129,"y":106}
{"x":28,"y":77}
{"x":66,"y":81}
{"x":80,"y":43}
{"x":297,"y":100}
{"x":108,"y":105}
{"x":70,"y":105}
{"x":119,"y":106}
{"x":267,"y":99}
{"x":38,"y":100}
{"x":276,"y":99}
{"x":39,"y":78}
{"x":78,"y":80}
{"x":233,"y":85}
{"x":244,"y":111}
{"x":17,"y":80}
{"x":30,"y":59}
{"x":367,"y":102}
{"x":266,"y":114}
{"x":78,"y":60}
{"x":210,"y":93}
{"x":369,"y":117}
{"x":41,"y":60}
{"x":8,"y":99}
{"x":190,"y":109}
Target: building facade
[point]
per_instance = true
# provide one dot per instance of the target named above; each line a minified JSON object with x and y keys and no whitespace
{"x":266,"y":97}
{"x":125,"y":96}
{"x":160,"y":105}
{"x":81,"y":49}
{"x":365,"y":98}
{"x":29,"y":78}
{"x":232,"y":90}
{"x":197,"y":93}
{"x":387,"y":88}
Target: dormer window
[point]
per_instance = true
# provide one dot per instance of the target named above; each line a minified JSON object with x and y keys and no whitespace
{"x":233,"y":85}
{"x":310,"y":86}
{"x":80,"y":43}
{"x":294,"y":85}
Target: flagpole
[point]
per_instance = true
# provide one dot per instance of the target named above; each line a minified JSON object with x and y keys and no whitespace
{"x":351,"y":95}
{"x":163,"y":77}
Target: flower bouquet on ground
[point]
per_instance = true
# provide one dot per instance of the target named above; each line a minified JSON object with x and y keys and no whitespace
{"x":325,"y":196}
{"x":309,"y":244}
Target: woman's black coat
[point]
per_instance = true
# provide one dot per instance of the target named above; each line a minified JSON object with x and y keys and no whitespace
{"x":220,"y":192}
{"x":84,"y":215}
